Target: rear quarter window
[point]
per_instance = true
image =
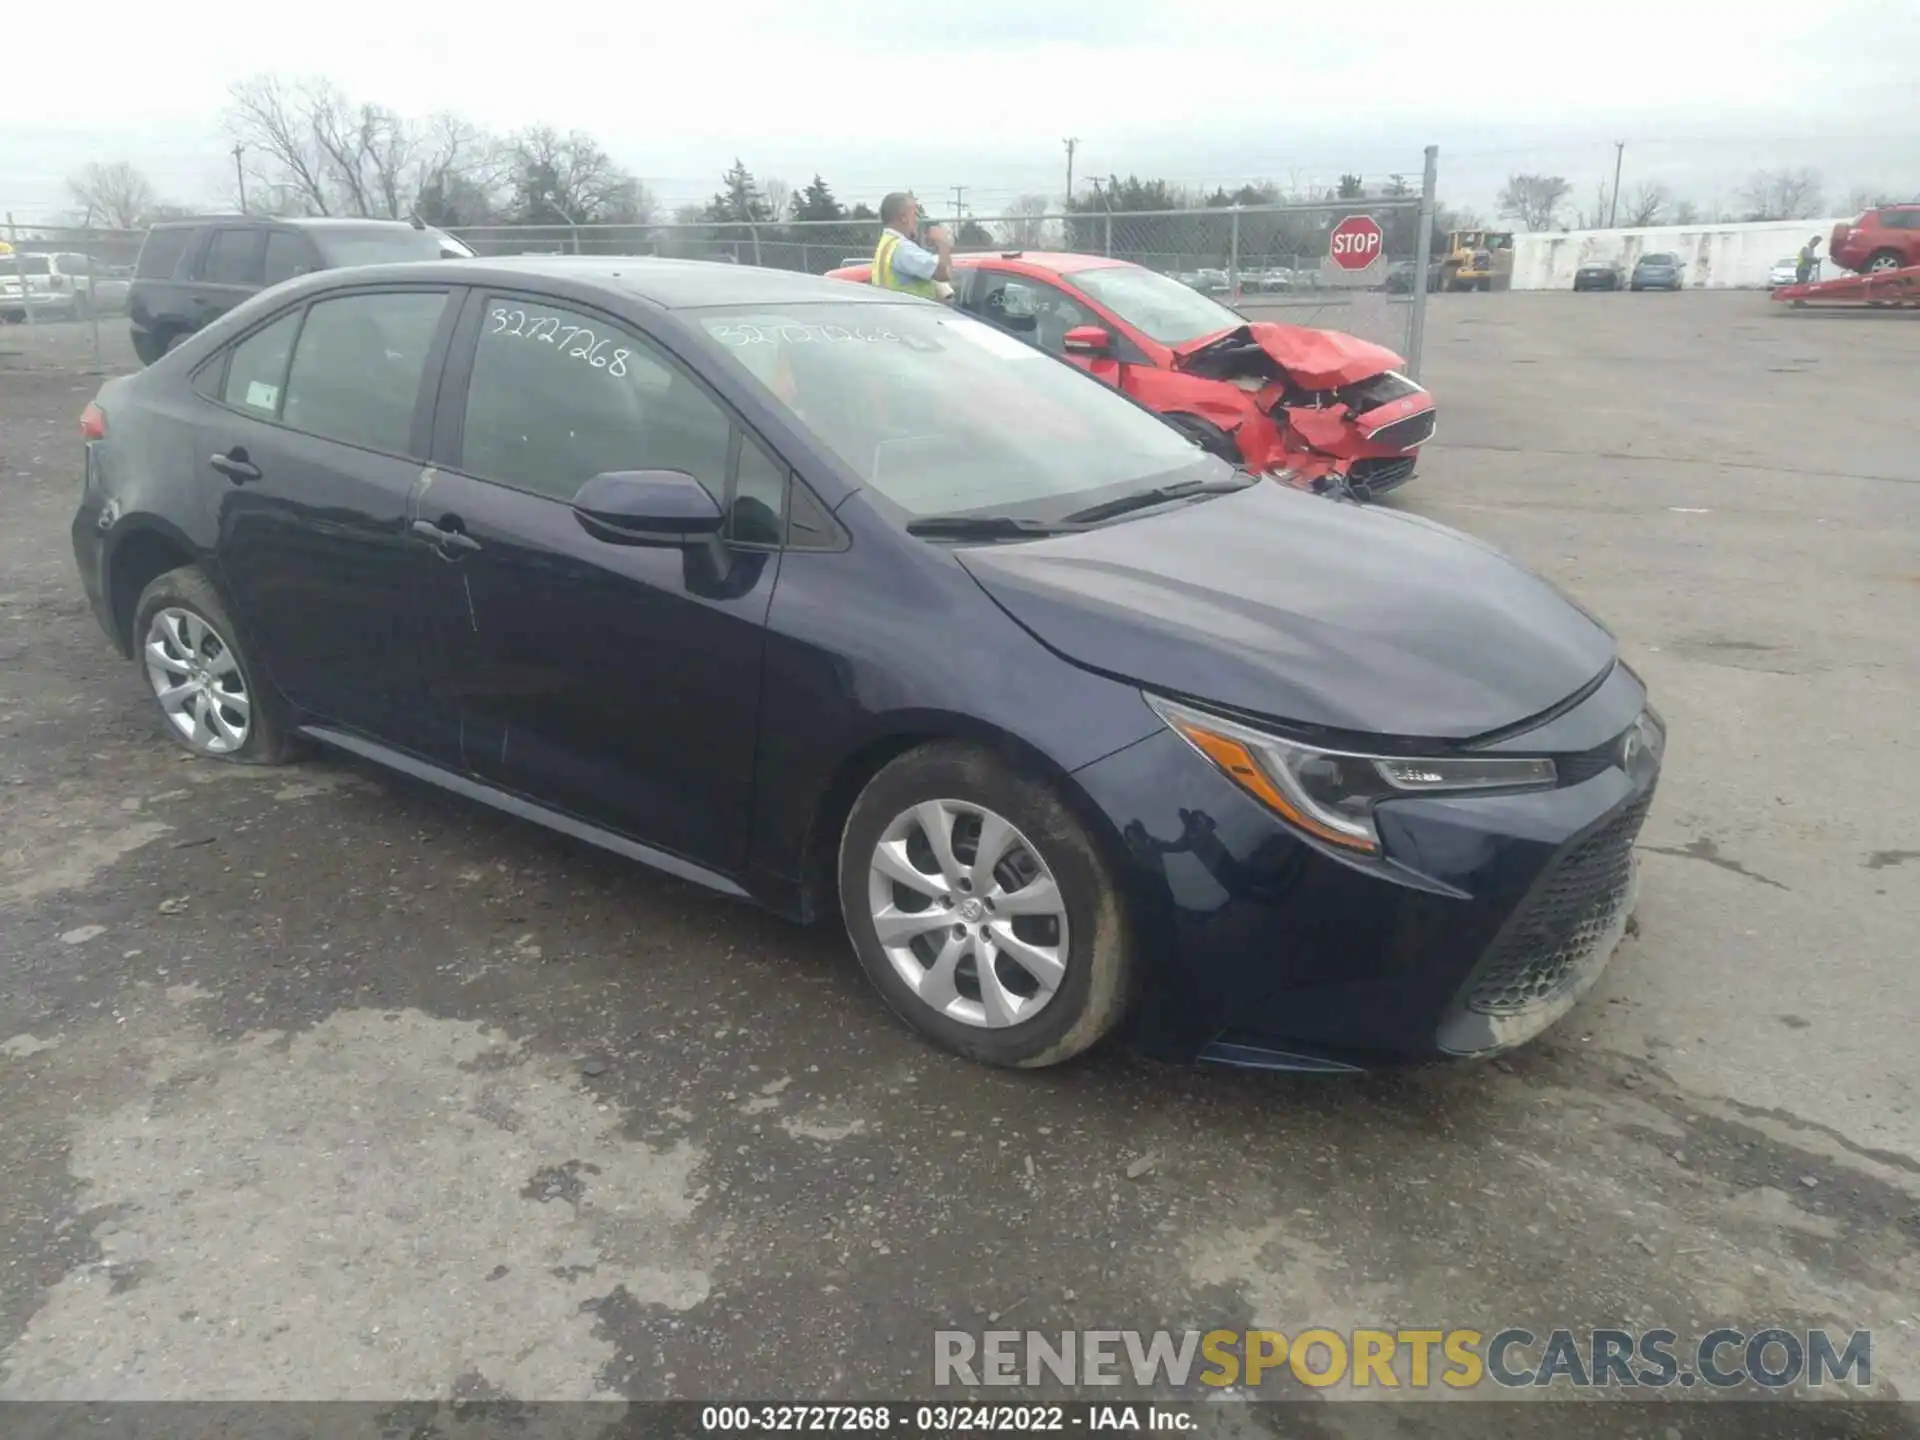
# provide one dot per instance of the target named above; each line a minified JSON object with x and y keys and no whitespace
{"x":160,"y":256}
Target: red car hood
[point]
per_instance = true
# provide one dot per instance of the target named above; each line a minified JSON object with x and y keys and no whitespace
{"x":1318,"y":359}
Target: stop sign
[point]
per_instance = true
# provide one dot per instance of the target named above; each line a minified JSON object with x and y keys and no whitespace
{"x":1356,"y":242}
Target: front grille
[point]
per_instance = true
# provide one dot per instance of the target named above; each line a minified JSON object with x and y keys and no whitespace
{"x":1573,"y":909}
{"x":1381,"y":474}
{"x":1407,"y":433}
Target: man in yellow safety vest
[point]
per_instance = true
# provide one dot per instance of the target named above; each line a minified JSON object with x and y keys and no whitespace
{"x":899,"y":263}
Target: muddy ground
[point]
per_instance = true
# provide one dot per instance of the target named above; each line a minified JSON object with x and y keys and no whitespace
{"x":315,"y":1083}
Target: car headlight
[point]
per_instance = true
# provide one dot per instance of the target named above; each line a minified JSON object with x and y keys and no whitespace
{"x":1331,"y":794}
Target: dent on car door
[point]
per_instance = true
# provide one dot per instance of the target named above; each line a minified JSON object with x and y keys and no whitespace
{"x":618,"y":682}
{"x":313,"y":442}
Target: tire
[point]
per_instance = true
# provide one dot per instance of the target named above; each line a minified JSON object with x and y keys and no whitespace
{"x":183,"y":638}
{"x":147,"y":346}
{"x":958,"y":789}
{"x":1884,"y":260}
{"x":175,"y":341}
{"x":1207,"y":435}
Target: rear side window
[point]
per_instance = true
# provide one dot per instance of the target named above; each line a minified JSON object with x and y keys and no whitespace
{"x":358,"y":365}
{"x":1900,"y":219}
{"x":288,"y":255}
{"x":257,"y":373}
{"x":233,"y":258}
{"x":160,"y":256}
{"x":22,"y":264}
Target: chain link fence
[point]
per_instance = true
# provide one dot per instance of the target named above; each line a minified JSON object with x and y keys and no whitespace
{"x":60,"y":275}
{"x":1270,"y":262}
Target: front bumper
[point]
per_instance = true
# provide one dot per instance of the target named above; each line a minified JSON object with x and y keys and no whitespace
{"x":1486,"y":920}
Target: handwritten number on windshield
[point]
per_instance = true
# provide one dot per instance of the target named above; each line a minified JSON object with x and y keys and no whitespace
{"x":577,"y":342}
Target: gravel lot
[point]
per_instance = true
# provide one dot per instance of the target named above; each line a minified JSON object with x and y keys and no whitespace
{"x":315,"y":1083}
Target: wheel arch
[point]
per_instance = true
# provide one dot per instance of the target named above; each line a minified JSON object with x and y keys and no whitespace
{"x":140,"y":551}
{"x":866,"y":757}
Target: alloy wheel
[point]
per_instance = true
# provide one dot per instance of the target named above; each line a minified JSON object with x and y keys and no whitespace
{"x":1883,"y":263}
{"x":968,"y":913}
{"x":196,"y":678}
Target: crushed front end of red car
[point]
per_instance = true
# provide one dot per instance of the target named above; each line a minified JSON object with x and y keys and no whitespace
{"x":1324,"y":404}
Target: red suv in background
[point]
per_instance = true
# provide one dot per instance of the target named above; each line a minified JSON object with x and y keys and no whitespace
{"x":1884,"y":239}
{"x":1282,"y":400}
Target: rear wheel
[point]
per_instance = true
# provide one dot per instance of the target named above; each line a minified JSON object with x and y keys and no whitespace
{"x":1882,"y":260}
{"x":982,"y":910}
{"x":211,"y":696}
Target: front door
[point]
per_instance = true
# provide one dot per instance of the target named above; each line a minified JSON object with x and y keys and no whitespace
{"x":314,"y":440}
{"x":619,"y":683}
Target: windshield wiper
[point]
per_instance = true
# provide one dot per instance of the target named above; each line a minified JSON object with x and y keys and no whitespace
{"x":1160,"y":495}
{"x":987,"y":527}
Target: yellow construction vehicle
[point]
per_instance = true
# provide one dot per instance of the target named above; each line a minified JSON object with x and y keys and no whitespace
{"x":1478,"y":260}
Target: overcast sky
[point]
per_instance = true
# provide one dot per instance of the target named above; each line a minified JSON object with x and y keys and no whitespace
{"x":981,"y":93}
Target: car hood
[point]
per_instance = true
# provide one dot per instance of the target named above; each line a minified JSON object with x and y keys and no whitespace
{"x":1318,"y":359}
{"x":1278,"y":603}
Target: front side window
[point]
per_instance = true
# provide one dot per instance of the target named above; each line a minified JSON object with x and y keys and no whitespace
{"x":1156,"y":305}
{"x":257,"y":370}
{"x":558,"y":396}
{"x":233,"y":258}
{"x":942,"y":414}
{"x":1039,"y":313}
{"x":19,"y":263}
{"x":357,"y":368}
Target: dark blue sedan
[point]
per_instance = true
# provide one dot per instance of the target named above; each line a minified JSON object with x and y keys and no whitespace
{"x":1659,"y":271}
{"x":848,"y":604}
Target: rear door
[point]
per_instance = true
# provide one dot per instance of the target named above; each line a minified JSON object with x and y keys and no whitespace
{"x":228,"y":271}
{"x":315,"y":438}
{"x":617,"y":682}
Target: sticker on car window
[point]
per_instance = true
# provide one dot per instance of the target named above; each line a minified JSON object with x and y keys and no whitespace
{"x":262,"y":396}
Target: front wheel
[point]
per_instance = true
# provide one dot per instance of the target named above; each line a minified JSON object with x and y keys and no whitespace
{"x":211,"y":696}
{"x":982,"y":910}
{"x":1883,"y":260}
{"x":1207,"y":435}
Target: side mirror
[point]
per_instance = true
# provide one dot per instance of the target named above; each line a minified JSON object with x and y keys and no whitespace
{"x":647,"y":507}
{"x":1087,"y":340}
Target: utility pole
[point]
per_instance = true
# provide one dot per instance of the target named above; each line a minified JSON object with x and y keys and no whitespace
{"x":1619,"y":153}
{"x":1072,"y":143}
{"x":240,"y":176}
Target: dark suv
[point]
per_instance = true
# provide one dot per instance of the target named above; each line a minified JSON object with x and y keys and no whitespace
{"x":191,"y":272}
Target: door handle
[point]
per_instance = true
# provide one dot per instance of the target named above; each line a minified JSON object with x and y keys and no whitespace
{"x":236,"y":466}
{"x":450,"y":543}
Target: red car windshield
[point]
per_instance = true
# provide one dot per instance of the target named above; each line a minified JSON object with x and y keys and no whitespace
{"x":1158,"y":306}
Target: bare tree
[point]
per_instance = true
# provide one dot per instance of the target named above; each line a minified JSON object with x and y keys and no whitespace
{"x":1029,"y":222}
{"x":1594,"y":216}
{"x":1869,"y":197}
{"x":113,"y":194}
{"x":779,"y":196}
{"x":1685,"y":212}
{"x":570,"y":178}
{"x":1534,"y":200}
{"x":270,"y":118}
{"x":1645,"y":204}
{"x":1782,"y":195}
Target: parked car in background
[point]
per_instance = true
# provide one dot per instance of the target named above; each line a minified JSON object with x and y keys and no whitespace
{"x":1272,"y":278}
{"x":1401,"y":274}
{"x":845,"y":603}
{"x":1658,"y":271}
{"x":1887,"y":238}
{"x":191,"y":272}
{"x":1281,"y":400}
{"x":58,"y":285}
{"x":111,"y":288}
{"x":1600,"y":275}
{"x":1787,"y":272}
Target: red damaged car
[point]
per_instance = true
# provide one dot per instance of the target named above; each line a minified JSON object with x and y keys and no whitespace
{"x":1299,"y":404}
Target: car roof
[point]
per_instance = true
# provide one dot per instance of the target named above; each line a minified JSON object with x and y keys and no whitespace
{"x":669,"y":284}
{"x":301,"y":222}
{"x":1059,"y":262}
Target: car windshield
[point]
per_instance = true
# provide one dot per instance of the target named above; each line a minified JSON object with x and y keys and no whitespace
{"x":382,"y":245}
{"x":16,"y":264}
{"x":1157,"y":305}
{"x":1656,"y":260}
{"x":945,"y":415}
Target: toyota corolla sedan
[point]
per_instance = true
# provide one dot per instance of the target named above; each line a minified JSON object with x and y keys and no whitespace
{"x":854,"y":606}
